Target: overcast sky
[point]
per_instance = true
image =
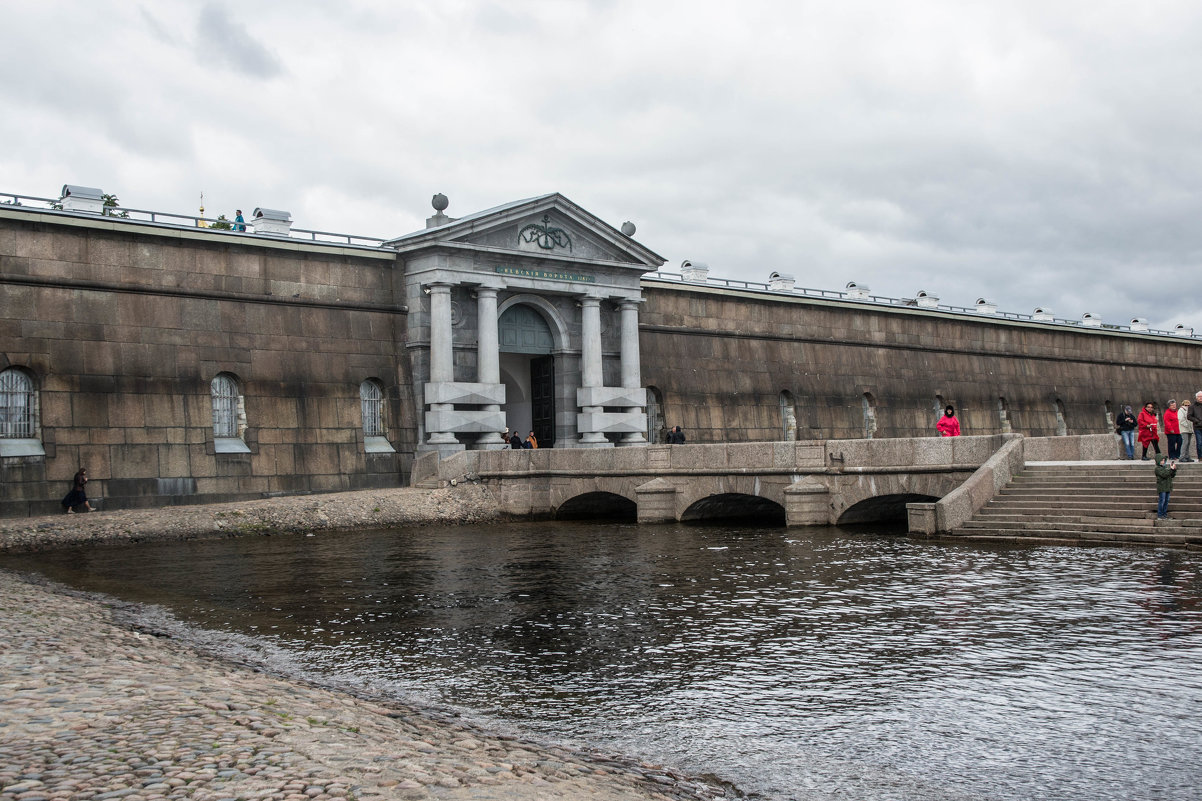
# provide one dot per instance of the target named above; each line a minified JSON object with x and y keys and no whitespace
{"x":1034,"y":153}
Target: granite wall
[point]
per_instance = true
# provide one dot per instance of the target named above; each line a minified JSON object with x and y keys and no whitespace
{"x":124,"y":333}
{"x":720,"y":360}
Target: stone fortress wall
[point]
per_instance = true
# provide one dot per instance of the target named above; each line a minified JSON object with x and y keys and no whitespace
{"x":721,"y":359}
{"x":122,"y":326}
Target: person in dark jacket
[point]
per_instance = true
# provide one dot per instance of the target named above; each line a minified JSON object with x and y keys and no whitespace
{"x":515,"y":442}
{"x":1195,"y":417}
{"x":1125,"y":428}
{"x":1147,"y":426}
{"x":1166,"y":471}
{"x":78,"y":495}
{"x":676,"y":436}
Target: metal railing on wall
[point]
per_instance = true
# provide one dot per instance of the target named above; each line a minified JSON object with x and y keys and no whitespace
{"x":910,"y":304}
{"x":192,"y":221}
{"x":44,"y":204}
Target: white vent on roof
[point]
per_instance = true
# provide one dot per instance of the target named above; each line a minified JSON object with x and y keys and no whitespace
{"x":695,"y":271}
{"x":272,"y":221}
{"x":926,"y":299}
{"x":1043,"y":315}
{"x":1139,"y":324}
{"x":986,"y":306}
{"x":1181,"y":329}
{"x":781,"y":282}
{"x":857,"y":291}
{"x":1091,"y":320}
{"x":82,"y":198}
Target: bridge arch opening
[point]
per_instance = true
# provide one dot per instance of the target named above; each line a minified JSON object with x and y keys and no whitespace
{"x":598,"y":506}
{"x":735,"y":507}
{"x":881,"y":509}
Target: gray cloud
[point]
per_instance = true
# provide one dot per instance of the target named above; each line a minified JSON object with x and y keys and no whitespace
{"x":1030,"y":153}
{"x":225,"y":41}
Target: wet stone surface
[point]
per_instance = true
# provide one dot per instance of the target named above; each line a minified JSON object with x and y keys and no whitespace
{"x":91,"y":711}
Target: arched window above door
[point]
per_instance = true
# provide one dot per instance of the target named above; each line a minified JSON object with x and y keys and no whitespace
{"x":521,"y":329}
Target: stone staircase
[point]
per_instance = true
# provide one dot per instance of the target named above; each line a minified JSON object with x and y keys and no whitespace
{"x":1091,"y":502}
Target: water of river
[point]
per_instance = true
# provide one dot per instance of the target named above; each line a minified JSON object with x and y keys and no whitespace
{"x":799,"y":664}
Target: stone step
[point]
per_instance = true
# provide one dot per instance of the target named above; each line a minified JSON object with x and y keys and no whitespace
{"x":1054,"y":537}
{"x":1036,"y":525}
{"x":992,"y":513}
{"x":1107,"y":502}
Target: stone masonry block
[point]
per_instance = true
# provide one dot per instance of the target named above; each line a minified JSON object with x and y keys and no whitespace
{"x":698,"y":457}
{"x":972,"y":450}
{"x":933,"y":450}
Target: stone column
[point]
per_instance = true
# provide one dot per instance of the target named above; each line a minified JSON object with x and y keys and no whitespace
{"x":590,"y":359}
{"x":632,"y":374}
{"x":488,"y":355}
{"x":442,"y":364}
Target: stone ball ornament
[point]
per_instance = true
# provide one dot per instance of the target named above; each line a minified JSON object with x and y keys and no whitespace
{"x":628,"y":228}
{"x":440,"y":202}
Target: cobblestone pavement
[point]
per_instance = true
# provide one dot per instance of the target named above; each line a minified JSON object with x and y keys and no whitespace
{"x":93,"y":711}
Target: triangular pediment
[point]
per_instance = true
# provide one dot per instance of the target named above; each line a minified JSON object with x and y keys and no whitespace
{"x":548,"y":226}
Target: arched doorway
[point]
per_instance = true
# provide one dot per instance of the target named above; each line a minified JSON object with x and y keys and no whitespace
{"x":528,"y":372}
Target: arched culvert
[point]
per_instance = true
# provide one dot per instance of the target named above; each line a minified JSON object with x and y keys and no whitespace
{"x":597,"y":506}
{"x":883,"y":508}
{"x":735,"y":507}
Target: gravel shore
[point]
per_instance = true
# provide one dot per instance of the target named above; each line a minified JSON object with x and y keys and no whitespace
{"x":381,"y":508}
{"x":92,"y":708}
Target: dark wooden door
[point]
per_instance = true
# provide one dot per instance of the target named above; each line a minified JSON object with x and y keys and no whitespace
{"x":542,"y":399}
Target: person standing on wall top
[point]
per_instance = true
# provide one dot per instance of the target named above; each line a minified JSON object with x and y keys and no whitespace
{"x":1195,"y":417}
{"x":1166,"y":471}
{"x":1172,"y":429}
{"x":1125,"y":428}
{"x":948,"y":425}
{"x":239,"y":222}
{"x":1187,"y":430}
{"x":1146,"y":424}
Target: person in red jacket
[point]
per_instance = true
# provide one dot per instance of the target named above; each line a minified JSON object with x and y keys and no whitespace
{"x":948,"y":425}
{"x":1147,"y":429}
{"x":1172,"y":429}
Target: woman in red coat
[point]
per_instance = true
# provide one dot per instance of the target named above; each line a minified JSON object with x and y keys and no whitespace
{"x":1147,"y":429}
{"x":948,"y":425}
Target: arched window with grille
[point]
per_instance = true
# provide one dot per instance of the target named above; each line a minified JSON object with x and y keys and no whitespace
{"x":229,"y":415}
{"x":20,"y":430}
{"x":371,"y":405}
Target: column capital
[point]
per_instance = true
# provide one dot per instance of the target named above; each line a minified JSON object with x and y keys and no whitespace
{"x":629,"y":303}
{"x":437,"y":287}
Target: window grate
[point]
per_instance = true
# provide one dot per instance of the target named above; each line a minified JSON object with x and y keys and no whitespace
{"x":18,"y":406}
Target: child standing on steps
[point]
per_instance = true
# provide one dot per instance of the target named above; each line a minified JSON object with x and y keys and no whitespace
{"x":1166,"y":471}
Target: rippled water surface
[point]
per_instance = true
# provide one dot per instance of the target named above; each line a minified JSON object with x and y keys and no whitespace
{"x":800,"y":664}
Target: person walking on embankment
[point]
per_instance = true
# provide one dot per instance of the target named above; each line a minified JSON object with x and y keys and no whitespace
{"x":1166,"y":471}
{"x":1125,"y":428}
{"x":1187,"y":431}
{"x":948,"y":425}
{"x":1172,"y":429}
{"x":1148,"y":429}
{"x":1195,"y":417}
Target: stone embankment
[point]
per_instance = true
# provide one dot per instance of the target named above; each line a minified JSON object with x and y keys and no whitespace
{"x":95,"y":708}
{"x":382,"y":508}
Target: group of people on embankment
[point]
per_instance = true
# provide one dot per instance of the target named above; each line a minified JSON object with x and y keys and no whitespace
{"x":1180,"y":423}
